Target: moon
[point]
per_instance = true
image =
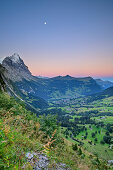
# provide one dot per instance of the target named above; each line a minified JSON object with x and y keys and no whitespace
{"x":45,"y":23}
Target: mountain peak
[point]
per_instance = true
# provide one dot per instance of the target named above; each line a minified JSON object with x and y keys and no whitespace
{"x":13,"y":61}
{"x":68,"y":76}
{"x":17,"y":70}
{"x":15,"y":57}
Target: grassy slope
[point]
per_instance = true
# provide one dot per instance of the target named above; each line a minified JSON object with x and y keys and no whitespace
{"x":97,"y":149}
{"x":20,"y":132}
{"x":16,"y":128}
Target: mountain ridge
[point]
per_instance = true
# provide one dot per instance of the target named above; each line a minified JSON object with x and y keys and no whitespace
{"x":35,"y":90}
{"x":104,"y":83}
{"x":7,"y":84}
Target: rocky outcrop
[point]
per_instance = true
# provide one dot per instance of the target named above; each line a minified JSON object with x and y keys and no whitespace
{"x":2,"y":82}
{"x":40,"y":161}
{"x":17,"y":70}
{"x":14,"y":70}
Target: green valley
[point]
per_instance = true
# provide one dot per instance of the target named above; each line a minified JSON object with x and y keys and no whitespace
{"x":89,"y":125}
{"x":64,"y":122}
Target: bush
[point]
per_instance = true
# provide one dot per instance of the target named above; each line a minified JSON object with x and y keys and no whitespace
{"x":80,"y":151}
{"x":74,"y":147}
{"x":107,"y":139}
{"x":48,"y":124}
{"x":102,"y":142}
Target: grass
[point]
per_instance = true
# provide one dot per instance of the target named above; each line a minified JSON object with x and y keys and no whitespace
{"x":106,"y":119}
{"x":104,"y":105}
{"x":13,"y":146}
{"x":16,"y":129}
{"x":102,"y":151}
{"x":20,"y":132}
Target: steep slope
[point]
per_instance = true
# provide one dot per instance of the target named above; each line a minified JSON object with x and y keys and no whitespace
{"x":59,"y":87}
{"x":30,"y":87}
{"x":2,"y":83}
{"x":25,"y":139}
{"x":17,"y":70}
{"x":104,"y":84}
{"x":82,"y":86}
{"x":107,"y":92}
{"x":13,"y":69}
{"x":104,"y":94}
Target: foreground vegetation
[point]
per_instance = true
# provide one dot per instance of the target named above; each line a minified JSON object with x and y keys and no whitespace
{"x":22,"y":131}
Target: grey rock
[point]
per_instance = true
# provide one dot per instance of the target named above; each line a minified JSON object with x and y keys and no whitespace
{"x":40,"y":161}
{"x":17,"y":70}
{"x":29,"y":155}
{"x":110,"y":162}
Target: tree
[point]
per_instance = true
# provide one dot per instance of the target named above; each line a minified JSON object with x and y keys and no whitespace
{"x":86,"y":133}
{"x":48,"y":124}
{"x":85,"y":137}
{"x":96,"y":140}
{"x":107,"y":133}
{"x":89,"y":126}
{"x":102,"y":142}
{"x":107,"y":139}
{"x":93,"y":135}
{"x":109,"y":128}
{"x":99,"y":131}
{"x":80,"y":151}
{"x":75,"y":147}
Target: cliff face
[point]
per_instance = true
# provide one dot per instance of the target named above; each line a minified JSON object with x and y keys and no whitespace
{"x":17,"y":70}
{"x":2,"y":82}
{"x":57,"y":87}
{"x":14,"y":70}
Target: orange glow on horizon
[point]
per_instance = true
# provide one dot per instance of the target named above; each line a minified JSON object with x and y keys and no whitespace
{"x":75,"y":66}
{"x":71,"y":74}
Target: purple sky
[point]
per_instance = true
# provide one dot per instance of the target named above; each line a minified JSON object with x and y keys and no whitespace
{"x":77,"y":38}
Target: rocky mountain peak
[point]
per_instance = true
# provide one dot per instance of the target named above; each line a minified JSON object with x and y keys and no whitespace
{"x":15,"y":58}
{"x":17,"y":70}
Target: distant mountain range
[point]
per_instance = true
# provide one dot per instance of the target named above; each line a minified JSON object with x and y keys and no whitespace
{"x":104,"y":94}
{"x":36,"y":91}
{"x":104,"y":83}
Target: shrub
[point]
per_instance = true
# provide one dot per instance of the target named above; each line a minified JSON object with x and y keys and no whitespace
{"x":80,"y":151}
{"x":74,"y":147}
{"x":48,"y":124}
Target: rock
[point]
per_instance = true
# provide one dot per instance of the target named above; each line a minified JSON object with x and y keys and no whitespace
{"x":110,"y":162}
{"x":43,"y":162}
{"x":29,"y":155}
{"x":40,"y":161}
{"x":17,"y":70}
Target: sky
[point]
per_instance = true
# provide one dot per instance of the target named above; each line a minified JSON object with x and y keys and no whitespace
{"x":59,"y":37}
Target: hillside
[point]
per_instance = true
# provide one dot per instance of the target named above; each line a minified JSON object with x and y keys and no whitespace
{"x":51,"y":88}
{"x":2,"y":83}
{"x":12,"y":72}
{"x":22,"y":133}
{"x":104,"y":84}
{"x":87,"y":122}
{"x":108,"y":92}
{"x":98,"y":96}
{"x":55,"y":88}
